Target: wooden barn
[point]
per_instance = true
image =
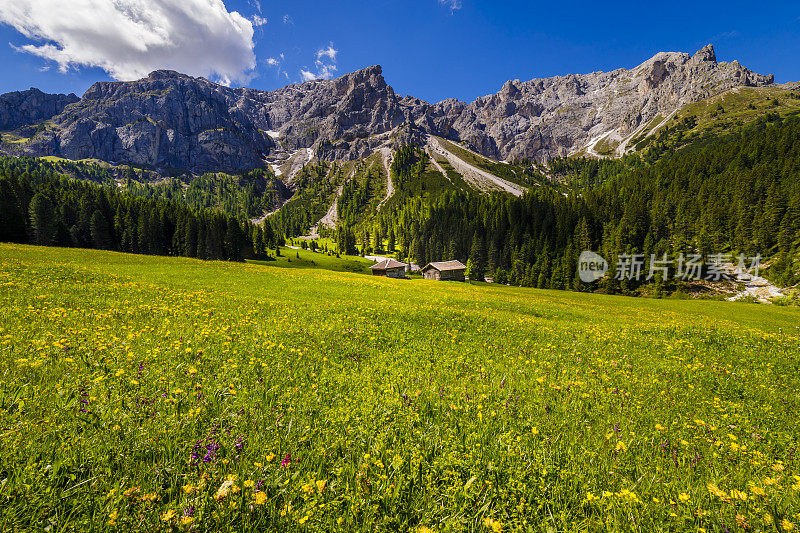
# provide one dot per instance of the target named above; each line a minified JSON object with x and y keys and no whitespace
{"x":444,"y":271}
{"x":389,"y":268}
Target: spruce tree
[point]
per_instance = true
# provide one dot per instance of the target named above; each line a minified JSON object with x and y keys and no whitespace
{"x":476,"y":257}
{"x":42,"y":220}
{"x":98,"y":227}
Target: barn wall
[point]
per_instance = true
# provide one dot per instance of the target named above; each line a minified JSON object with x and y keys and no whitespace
{"x":452,"y":275}
{"x":431,"y":274}
{"x":398,"y":273}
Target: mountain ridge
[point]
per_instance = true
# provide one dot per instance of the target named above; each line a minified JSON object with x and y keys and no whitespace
{"x":172,"y":120}
{"x":22,"y":108}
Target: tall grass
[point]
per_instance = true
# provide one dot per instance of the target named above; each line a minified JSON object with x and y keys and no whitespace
{"x":141,"y":393}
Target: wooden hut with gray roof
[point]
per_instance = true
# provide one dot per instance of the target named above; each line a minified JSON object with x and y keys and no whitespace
{"x":389,"y":268}
{"x":444,"y":271}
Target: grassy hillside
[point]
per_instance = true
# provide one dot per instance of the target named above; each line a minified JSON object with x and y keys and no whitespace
{"x":515,"y":174}
{"x":303,"y":259}
{"x":142,"y":393}
{"x":720,"y":114}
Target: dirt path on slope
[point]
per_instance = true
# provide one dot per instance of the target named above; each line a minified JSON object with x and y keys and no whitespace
{"x":332,"y":216}
{"x":436,"y":163}
{"x":479,"y":178}
{"x":386,"y":154}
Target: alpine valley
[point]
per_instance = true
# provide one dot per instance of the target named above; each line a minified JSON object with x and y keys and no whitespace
{"x":682,"y":153}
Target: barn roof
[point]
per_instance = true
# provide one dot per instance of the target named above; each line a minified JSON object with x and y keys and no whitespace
{"x":386,"y":264}
{"x":446,"y":265}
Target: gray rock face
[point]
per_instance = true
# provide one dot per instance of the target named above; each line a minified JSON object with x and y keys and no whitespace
{"x":172,"y":120}
{"x":166,"y":120}
{"x":26,"y":108}
{"x":169,"y":120}
{"x":545,"y":118}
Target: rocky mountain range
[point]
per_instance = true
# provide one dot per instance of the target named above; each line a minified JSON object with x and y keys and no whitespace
{"x":173,"y":121}
{"x":29,"y":107}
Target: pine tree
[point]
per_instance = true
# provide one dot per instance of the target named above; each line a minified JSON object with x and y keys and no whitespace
{"x":492,"y":262}
{"x":476,"y":258}
{"x":190,"y":238}
{"x":259,"y":246}
{"x":12,"y":220}
{"x":98,"y":227}
{"x":391,"y":240}
{"x":42,"y":220}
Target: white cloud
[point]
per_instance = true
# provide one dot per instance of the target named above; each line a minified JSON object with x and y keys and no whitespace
{"x":324,"y":72}
{"x":325,"y":65}
{"x":130,"y":38}
{"x":275,"y":61}
{"x":259,"y":20}
{"x":256,"y":5}
{"x":329,"y":52}
{"x":454,"y":5}
{"x":288,"y":19}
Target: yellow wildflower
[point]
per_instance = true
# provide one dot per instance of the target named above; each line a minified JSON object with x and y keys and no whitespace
{"x":716,"y":491}
{"x":495,"y":525}
{"x":739,"y":495}
{"x":742,"y":521}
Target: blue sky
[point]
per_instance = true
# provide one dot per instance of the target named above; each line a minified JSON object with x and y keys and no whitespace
{"x":432,"y":49}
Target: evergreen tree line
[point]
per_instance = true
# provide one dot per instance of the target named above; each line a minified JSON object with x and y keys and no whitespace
{"x":356,"y":197}
{"x":45,"y":208}
{"x":316,"y":186}
{"x":737,"y":193}
{"x":249,"y":194}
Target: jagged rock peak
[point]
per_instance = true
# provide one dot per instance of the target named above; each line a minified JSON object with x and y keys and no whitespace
{"x":164,"y":74}
{"x":169,"y":119}
{"x":25,"y":108}
{"x":706,"y":54}
{"x":371,"y":77}
{"x":550,"y":117}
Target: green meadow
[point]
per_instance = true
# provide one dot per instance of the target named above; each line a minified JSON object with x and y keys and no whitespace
{"x":307,"y":259}
{"x":144,"y":393}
